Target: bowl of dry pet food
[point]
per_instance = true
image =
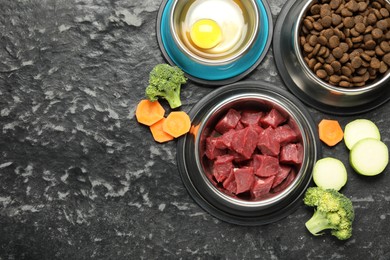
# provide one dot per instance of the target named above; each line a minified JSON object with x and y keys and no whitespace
{"x":249,"y":154}
{"x":335,"y":54}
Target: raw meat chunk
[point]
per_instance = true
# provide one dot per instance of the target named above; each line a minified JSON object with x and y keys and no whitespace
{"x":265,"y":165}
{"x":245,"y":141}
{"x":211,"y":148}
{"x":291,"y":153}
{"x":284,"y":135}
{"x":244,"y":178}
{"x":267,"y":143}
{"x":222,"y":167}
{"x":289,"y":179}
{"x":281,"y":175}
{"x":273,"y":118}
{"x":230,"y":183}
{"x":261,"y":186}
{"x":251,"y":117}
{"x":229,"y":121}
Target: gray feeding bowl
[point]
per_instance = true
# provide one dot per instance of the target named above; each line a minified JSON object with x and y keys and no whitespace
{"x":195,"y":174}
{"x":303,"y":83}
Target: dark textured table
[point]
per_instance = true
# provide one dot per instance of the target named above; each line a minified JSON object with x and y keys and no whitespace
{"x":81,"y":179}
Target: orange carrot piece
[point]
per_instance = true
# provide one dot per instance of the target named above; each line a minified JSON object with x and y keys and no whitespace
{"x":149,"y":112}
{"x":158,"y":133}
{"x":177,"y":123}
{"x":330,"y":132}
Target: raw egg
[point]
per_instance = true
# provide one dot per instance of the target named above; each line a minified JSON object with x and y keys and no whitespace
{"x":206,"y":33}
{"x":214,"y":28}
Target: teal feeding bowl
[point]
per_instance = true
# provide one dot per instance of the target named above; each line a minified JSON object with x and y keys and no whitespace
{"x":215,"y":42}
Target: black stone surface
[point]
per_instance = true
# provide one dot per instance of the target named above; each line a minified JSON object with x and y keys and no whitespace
{"x":81,"y":179}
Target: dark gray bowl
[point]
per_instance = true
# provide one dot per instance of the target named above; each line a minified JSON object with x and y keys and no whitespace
{"x":303,"y":83}
{"x":204,"y":115}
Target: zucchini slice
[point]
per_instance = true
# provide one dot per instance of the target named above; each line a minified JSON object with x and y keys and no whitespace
{"x":330,"y":173}
{"x":369,"y":157}
{"x":359,"y":129}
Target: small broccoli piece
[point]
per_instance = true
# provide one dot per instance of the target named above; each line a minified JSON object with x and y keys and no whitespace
{"x":165,"y":82}
{"x":333,"y":211}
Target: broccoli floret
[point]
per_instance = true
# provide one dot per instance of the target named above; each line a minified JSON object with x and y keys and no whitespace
{"x":165,"y":82}
{"x":333,"y":211}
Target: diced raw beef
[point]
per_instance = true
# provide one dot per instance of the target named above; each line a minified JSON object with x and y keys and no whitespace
{"x":245,"y":141}
{"x":284,"y":134}
{"x":284,"y":170}
{"x":222,"y":167}
{"x":211,"y":148}
{"x":291,"y":153}
{"x":261,"y":186}
{"x":273,"y":118}
{"x":239,"y":126}
{"x":244,"y":178}
{"x":289,"y":179}
{"x":251,"y":117}
{"x":267,"y":143}
{"x":229,"y":121}
{"x":230,"y":183}
{"x":238,"y":158}
{"x":265,"y":165}
{"x":258,"y":129}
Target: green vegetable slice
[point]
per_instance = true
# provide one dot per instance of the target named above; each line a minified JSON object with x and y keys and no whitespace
{"x":330,"y":173}
{"x":360,"y":129}
{"x":369,"y":157}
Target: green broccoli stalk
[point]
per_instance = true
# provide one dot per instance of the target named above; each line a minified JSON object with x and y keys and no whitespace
{"x":165,"y":82}
{"x":333,"y":211}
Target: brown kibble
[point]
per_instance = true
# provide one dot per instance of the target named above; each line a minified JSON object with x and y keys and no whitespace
{"x":354,"y":33}
{"x":385,"y":46}
{"x":335,"y":78}
{"x":311,"y":63}
{"x":361,"y":71}
{"x":371,"y":19}
{"x":321,"y":74}
{"x":318,"y":26}
{"x":307,"y":48}
{"x":344,"y":84}
{"x":344,"y":46}
{"x":315,"y":9}
{"x":362,"y":6}
{"x":336,"y":19}
{"x":375,"y":63}
{"x":312,"y":40}
{"x":326,"y":21}
{"x":330,"y":58}
{"x":357,"y":79}
{"x":317,"y":66}
{"x":308,"y":24}
{"x":377,"y":33}
{"x":352,"y":5}
{"x":344,"y":58}
{"x":383,"y":68}
{"x":377,"y":14}
{"x":336,"y":65}
{"x":370,"y":45}
{"x":346,"y":13}
{"x":360,"y":27}
{"x":322,"y":40}
{"x":322,"y":51}
{"x":369,"y":29}
{"x":334,"y":41}
{"x":382,"y":24}
{"x":334,"y":4}
{"x":357,"y":39}
{"x":328,"y":33}
{"x":316,"y":49}
{"x":337,"y":52}
{"x":386,"y":59}
{"x":325,"y":10}
{"x":349,"y":22}
{"x":379,"y":51}
{"x":329,"y":69}
{"x":384,"y":12}
{"x":356,"y":62}
{"x":346,"y":71}
{"x":365,"y":56}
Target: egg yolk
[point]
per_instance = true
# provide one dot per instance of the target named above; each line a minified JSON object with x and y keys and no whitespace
{"x":206,"y":33}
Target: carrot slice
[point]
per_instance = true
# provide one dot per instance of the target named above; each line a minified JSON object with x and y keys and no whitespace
{"x":330,"y":132}
{"x":177,"y":123}
{"x":149,"y":112}
{"x":158,"y":133}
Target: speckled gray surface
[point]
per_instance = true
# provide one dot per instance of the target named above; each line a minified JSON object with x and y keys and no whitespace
{"x":80,"y":179}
